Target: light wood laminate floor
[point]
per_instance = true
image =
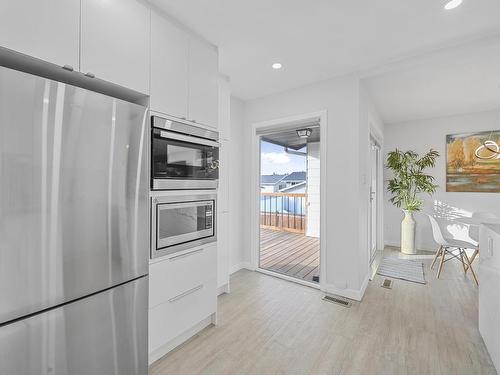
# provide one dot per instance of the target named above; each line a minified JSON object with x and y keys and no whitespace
{"x":292,"y":254}
{"x":271,"y":326}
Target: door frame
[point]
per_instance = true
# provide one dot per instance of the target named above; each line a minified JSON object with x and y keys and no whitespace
{"x":276,"y":125}
{"x":374,"y":146}
{"x":378,"y":139}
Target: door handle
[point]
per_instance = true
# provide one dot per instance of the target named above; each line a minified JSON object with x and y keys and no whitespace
{"x":186,"y":293}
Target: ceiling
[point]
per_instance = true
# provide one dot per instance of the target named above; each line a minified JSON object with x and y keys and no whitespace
{"x":316,"y":40}
{"x":290,"y":139}
{"x":461,"y":80}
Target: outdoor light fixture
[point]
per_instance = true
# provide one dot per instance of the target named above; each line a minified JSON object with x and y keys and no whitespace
{"x":304,"y":133}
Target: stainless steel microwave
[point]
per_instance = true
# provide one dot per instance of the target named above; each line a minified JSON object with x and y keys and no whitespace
{"x":179,"y":222}
{"x":183,"y":156}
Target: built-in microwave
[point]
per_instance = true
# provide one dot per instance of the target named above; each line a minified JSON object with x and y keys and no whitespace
{"x":179,"y":222}
{"x":183,"y":156}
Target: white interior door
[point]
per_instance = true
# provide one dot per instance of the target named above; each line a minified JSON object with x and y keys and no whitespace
{"x":373,"y":225}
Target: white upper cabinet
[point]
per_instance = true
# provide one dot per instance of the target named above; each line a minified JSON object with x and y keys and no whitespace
{"x":115,"y":41}
{"x":224,"y":108}
{"x":169,"y":67}
{"x":203,"y":83}
{"x":48,"y":29}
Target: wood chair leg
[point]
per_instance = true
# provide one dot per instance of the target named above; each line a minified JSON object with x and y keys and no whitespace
{"x":470,"y":266}
{"x":462,"y":259}
{"x":443,"y":253}
{"x":474,"y":255}
{"x":438,"y":252}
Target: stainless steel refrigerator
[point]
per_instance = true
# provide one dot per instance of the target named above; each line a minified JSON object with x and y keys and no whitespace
{"x":73,"y":230}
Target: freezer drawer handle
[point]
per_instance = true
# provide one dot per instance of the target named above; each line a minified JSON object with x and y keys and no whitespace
{"x":186,"y":293}
{"x":186,"y":255}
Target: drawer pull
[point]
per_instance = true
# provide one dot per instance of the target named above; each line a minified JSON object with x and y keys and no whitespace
{"x":186,"y":293}
{"x":186,"y":255}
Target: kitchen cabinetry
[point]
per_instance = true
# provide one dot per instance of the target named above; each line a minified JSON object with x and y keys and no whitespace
{"x":224,"y":216}
{"x":203,"y":83}
{"x":169,"y":67}
{"x":223,"y":220}
{"x":182,"y":293}
{"x":184,"y":73}
{"x":115,"y":42}
{"x":489,"y":289}
{"x":224,"y":119}
{"x":48,"y":30}
{"x":124,"y":42}
{"x":223,"y":253}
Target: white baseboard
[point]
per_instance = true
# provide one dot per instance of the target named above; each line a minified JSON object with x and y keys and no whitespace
{"x":240,"y":266}
{"x":223,"y":289}
{"x":393,"y":244}
{"x":183,"y":337}
{"x":355,"y":294}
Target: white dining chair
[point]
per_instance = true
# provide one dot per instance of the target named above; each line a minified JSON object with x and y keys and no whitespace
{"x":448,"y":246}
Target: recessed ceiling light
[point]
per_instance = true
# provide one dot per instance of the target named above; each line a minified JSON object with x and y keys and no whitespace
{"x":277,"y":66}
{"x":452,"y":4}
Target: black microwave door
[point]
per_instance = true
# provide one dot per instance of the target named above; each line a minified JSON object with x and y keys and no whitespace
{"x":183,"y":160}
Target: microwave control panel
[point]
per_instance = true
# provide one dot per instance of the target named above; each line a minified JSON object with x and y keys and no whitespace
{"x":208,"y":216}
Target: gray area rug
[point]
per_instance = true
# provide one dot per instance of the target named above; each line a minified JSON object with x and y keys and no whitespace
{"x":403,"y":269}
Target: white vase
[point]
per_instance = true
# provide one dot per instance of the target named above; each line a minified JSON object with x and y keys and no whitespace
{"x":408,"y":233}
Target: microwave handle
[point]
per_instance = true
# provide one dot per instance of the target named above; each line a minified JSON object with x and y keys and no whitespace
{"x":169,"y":206}
{"x":187,"y":138}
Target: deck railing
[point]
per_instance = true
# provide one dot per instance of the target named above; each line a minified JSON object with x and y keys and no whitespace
{"x":283,"y":211}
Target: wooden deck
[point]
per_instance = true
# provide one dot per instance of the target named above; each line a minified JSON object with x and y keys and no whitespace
{"x":291,"y":254}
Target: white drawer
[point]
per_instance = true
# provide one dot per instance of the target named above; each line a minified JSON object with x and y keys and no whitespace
{"x":181,"y":312}
{"x":174,"y":275}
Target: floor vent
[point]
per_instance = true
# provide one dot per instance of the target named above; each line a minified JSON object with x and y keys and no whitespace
{"x":387,"y":284}
{"x":338,"y":300}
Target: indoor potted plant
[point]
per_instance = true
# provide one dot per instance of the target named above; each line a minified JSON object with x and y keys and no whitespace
{"x":408,"y":181}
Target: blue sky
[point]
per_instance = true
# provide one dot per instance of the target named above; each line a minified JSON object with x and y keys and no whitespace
{"x":274,"y":159}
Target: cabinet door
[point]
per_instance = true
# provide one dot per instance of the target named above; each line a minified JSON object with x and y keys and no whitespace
{"x":115,"y":42}
{"x":169,"y":67}
{"x":48,"y":30}
{"x":203,"y":86}
{"x":224,"y":120}
{"x":223,"y":219}
{"x":223,"y":250}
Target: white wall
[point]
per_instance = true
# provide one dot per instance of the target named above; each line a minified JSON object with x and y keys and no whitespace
{"x":370,"y":126}
{"x":347,"y":270}
{"x":236,"y":188}
{"x":420,"y":136}
{"x":313,"y":189}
